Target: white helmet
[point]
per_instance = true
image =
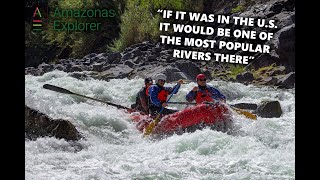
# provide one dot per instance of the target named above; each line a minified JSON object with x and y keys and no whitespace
{"x":160,"y":76}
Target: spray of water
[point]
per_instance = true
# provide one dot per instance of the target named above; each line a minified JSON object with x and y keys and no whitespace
{"x":114,"y":149}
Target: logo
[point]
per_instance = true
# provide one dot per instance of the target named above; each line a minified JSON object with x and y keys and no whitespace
{"x":40,"y":16}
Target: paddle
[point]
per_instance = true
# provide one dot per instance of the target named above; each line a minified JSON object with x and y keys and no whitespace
{"x":65,"y":91}
{"x":237,"y":110}
{"x":151,"y":126}
{"x":246,"y":113}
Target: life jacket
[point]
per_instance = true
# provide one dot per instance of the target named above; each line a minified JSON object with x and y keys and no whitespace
{"x":147,"y":91}
{"x":203,"y":95}
{"x":162,"y":95}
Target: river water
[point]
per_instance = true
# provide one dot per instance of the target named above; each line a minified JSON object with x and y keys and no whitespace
{"x":112,"y":148}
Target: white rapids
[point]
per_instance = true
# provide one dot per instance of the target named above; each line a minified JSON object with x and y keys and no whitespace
{"x":114,"y":149}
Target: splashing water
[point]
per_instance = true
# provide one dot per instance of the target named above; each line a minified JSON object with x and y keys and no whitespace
{"x":114,"y":149}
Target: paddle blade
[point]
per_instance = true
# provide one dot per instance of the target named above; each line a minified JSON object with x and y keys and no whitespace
{"x":246,"y":113}
{"x":57,"y":89}
{"x":149,"y":129}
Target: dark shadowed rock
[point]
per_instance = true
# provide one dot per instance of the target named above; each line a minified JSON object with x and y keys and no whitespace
{"x":118,"y":71}
{"x":269,"y":109}
{"x":190,"y":69}
{"x":245,"y":77}
{"x":114,"y":57}
{"x":138,"y":59}
{"x":45,"y":67}
{"x":79,"y":75}
{"x":127,"y":56}
{"x":30,"y":70}
{"x":269,"y":81}
{"x":263,"y":60}
{"x":275,"y":8}
{"x":278,"y":71}
{"x":284,"y":19}
{"x":75,"y":68}
{"x":173,"y":74}
{"x":38,"y":124}
{"x":286,"y":46}
{"x":129,"y":63}
{"x":287,"y":81}
{"x":89,"y":56}
{"x":152,"y":58}
{"x":59,"y":67}
{"x":97,"y":66}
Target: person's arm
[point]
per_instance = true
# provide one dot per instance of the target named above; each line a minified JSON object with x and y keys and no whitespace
{"x":153,"y":92}
{"x":143,"y":100}
{"x":217,"y":94}
{"x":191,"y":96}
{"x":170,"y":89}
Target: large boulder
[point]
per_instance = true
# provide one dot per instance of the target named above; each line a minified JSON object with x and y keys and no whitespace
{"x":269,"y":109}
{"x":38,"y":124}
{"x":245,"y":77}
{"x":287,"y":81}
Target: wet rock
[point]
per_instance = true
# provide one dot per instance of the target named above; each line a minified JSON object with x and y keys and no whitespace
{"x":38,"y":124}
{"x":89,"y":56}
{"x":30,"y":70}
{"x":127,"y":56}
{"x":152,"y":58}
{"x":269,"y":109}
{"x":79,"y":75}
{"x":286,"y":46}
{"x":269,"y":81}
{"x":190,"y":69}
{"x":114,"y":57}
{"x":284,"y":19}
{"x":75,"y":68}
{"x":129,"y":63}
{"x":278,"y":71}
{"x":97,"y":66}
{"x":287,"y":81}
{"x":59,"y":67}
{"x":119,"y":71}
{"x":45,"y":67}
{"x":173,"y":74}
{"x":245,"y":77}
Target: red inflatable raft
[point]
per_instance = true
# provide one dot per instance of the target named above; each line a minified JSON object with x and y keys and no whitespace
{"x":217,"y":116}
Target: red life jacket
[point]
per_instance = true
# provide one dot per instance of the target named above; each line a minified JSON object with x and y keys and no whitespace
{"x":147,"y":91}
{"x":203,"y":96}
{"x":162,"y":95}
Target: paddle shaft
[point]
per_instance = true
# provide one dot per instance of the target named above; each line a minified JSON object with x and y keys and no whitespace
{"x":243,"y":112}
{"x":65,"y":91}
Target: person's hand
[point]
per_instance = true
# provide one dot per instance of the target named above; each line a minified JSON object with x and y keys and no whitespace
{"x":195,"y":89}
{"x":164,"y":104}
{"x":180,"y":81}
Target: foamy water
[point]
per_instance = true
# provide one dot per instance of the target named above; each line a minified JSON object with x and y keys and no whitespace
{"x":114,"y":149}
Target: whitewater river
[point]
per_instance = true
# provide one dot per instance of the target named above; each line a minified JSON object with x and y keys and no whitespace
{"x":114,"y":149}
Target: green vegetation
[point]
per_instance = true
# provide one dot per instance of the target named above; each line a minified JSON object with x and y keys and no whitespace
{"x":242,"y":6}
{"x":238,"y":8}
{"x":263,"y":71}
{"x":135,"y":21}
{"x":57,"y":42}
{"x":140,"y":21}
{"x":236,"y":69}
